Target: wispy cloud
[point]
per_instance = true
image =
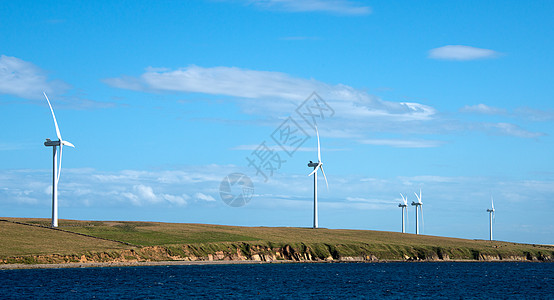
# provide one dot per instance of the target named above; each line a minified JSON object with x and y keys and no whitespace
{"x":525,"y":112}
{"x":403,"y":143}
{"x":342,"y":7}
{"x":272,"y":88}
{"x":482,"y":109}
{"x":204,"y":197}
{"x":229,"y":81}
{"x":461,"y":52}
{"x":194,"y":189}
{"x":280,"y":148}
{"x":277,"y":94}
{"x":514,"y":130}
{"x":534,"y":114}
{"x":24,"y":79}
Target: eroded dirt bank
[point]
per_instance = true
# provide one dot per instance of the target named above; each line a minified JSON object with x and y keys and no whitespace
{"x":247,"y":252}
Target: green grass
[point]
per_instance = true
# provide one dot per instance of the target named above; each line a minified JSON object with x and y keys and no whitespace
{"x":19,"y":239}
{"x":180,"y":240}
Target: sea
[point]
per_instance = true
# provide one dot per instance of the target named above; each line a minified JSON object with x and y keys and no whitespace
{"x":394,"y":280}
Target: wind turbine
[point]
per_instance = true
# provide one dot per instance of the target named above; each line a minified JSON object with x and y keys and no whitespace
{"x":56,"y":168}
{"x":404,"y":206}
{"x":491,"y":216}
{"x":418,"y":204}
{"x":316,"y":166}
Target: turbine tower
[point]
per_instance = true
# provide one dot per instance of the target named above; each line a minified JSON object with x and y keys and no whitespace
{"x":57,"y":168}
{"x":316,"y":166}
{"x":418,"y":204}
{"x":491,"y":216}
{"x":404,"y":206}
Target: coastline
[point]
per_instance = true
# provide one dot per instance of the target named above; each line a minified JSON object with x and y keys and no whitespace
{"x":30,"y":244}
{"x":132,"y":264}
{"x":230,"y":262}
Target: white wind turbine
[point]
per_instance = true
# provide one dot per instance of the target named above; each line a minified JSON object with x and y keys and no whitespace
{"x":420,"y":205}
{"x":56,"y":168}
{"x":316,"y":166}
{"x":404,"y":206}
{"x":491,"y":216}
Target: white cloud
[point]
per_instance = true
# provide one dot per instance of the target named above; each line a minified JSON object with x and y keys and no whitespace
{"x":146,"y":193}
{"x":276,"y":94}
{"x":459,"y":199}
{"x":343,"y":7}
{"x":482,"y":109}
{"x":514,"y":130}
{"x":175,"y":199}
{"x":23,"y":79}
{"x":229,"y":81}
{"x":288,"y":148}
{"x":204,"y":197}
{"x":403,"y":143}
{"x":429,"y":179}
{"x":272,"y":93}
{"x":535,"y":114}
{"x":461,"y":52}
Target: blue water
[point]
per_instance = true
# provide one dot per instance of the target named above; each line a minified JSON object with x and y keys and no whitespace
{"x":362,"y":280}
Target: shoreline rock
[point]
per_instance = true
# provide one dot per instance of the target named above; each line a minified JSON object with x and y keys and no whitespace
{"x":257,"y":253}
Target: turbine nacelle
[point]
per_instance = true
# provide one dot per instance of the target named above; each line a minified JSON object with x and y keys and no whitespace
{"x":50,"y":143}
{"x":318,"y":165}
{"x":314,"y":165}
{"x":491,"y":218}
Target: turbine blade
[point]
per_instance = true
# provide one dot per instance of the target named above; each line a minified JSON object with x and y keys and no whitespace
{"x":422,"y":222}
{"x":53,"y":116}
{"x":315,"y":170}
{"x":419,"y":199}
{"x":68,"y":144}
{"x":324,"y":177}
{"x":60,"y":164}
{"x":318,"y":147}
{"x":407,"y":218}
{"x":492,"y":203}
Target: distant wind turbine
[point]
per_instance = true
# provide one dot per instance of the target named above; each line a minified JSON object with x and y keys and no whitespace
{"x":491,"y":216}
{"x":420,"y":205}
{"x":56,"y":168}
{"x":316,"y":166}
{"x":404,"y":206}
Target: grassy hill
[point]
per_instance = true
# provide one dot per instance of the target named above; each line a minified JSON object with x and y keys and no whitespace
{"x":107,"y":241}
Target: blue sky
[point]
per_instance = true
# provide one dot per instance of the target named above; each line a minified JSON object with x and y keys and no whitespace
{"x":163,"y":99}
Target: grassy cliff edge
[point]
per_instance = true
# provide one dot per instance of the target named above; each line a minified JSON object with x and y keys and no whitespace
{"x":30,"y":241}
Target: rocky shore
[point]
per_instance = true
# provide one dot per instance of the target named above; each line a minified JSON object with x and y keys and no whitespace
{"x":255,"y":253}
